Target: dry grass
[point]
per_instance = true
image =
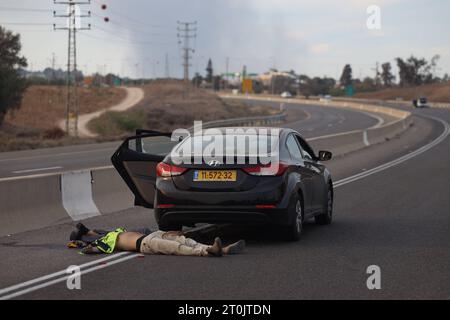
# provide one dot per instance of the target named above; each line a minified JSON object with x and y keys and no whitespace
{"x":43,"y":106}
{"x":34,"y":125}
{"x":434,"y":93}
{"x":166,"y":107}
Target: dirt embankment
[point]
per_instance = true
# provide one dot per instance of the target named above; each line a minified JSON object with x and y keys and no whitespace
{"x":434,"y":93}
{"x":43,"y":106}
{"x":34,"y":125}
{"x":166,"y":107}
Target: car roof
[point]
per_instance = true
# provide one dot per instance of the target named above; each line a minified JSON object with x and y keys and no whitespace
{"x":282,"y":130}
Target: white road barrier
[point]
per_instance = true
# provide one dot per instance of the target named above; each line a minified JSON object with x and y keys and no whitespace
{"x":76,"y":190}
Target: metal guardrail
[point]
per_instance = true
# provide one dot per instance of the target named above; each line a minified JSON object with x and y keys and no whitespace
{"x":250,"y":121}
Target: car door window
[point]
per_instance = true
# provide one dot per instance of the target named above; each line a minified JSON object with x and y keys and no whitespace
{"x":308,"y":153}
{"x":294,"y":149}
{"x":157,"y":145}
{"x":136,"y":161}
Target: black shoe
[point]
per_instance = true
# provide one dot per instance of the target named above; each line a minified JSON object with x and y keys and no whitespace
{"x":79,"y":233}
{"x":84,"y":230}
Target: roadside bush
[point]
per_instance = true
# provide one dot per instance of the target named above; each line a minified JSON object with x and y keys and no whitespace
{"x":53,"y":134}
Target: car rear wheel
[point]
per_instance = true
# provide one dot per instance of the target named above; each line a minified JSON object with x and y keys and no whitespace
{"x":327,"y":217}
{"x":295,"y":209}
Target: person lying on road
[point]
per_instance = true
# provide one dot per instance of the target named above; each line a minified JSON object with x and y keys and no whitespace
{"x":147,"y":242}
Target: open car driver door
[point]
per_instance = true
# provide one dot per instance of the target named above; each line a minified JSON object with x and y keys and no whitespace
{"x":136,"y":161}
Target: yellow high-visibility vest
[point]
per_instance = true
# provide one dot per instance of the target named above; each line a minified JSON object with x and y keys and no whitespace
{"x":107,"y":244}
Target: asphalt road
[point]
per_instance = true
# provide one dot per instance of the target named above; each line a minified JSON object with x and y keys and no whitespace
{"x":319,"y":121}
{"x":397,"y":218}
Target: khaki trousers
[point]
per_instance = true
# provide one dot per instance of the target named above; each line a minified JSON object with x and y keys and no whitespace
{"x":160,"y":242}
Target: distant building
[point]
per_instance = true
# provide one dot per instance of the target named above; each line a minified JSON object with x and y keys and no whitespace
{"x":266,"y":78}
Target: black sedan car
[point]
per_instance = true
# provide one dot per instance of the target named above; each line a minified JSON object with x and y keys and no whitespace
{"x":246,"y":192}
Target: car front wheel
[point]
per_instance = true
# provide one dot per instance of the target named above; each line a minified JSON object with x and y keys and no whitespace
{"x":327,"y":217}
{"x":294,"y":230}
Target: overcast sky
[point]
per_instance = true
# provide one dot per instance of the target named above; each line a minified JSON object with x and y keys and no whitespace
{"x":316,"y":37}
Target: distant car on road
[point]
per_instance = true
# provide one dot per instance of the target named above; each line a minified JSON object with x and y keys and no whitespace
{"x":286,"y":95}
{"x":325,"y":98}
{"x":296,"y":188}
{"x":421,"y":103}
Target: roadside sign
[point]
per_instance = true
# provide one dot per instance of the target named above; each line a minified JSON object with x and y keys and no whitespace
{"x":247,"y":86}
{"x":349,"y":91}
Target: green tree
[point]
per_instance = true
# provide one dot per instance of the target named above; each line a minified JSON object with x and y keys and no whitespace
{"x":415,"y":71}
{"x":12,"y":85}
{"x":197,"y":81}
{"x":386,"y":75}
{"x":347,"y":76}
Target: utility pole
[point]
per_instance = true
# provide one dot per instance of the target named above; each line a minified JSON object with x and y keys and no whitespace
{"x":186,"y":32}
{"x":227,"y":67}
{"x":73,"y":16}
{"x":167,"y":66}
{"x":53,"y":68}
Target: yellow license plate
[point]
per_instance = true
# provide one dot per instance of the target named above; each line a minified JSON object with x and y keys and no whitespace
{"x":215,"y":176}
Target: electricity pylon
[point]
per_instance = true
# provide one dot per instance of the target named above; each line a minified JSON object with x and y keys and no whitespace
{"x":73,"y":16}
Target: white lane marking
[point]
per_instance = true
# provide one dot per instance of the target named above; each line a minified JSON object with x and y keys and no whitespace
{"x":43,"y":175}
{"x":37,"y":170}
{"x":59,"y":273}
{"x":366,"y":139}
{"x":400,"y":160}
{"x":338,"y":184}
{"x":332,"y":135}
{"x":55,"y":155}
{"x":53,"y":282}
{"x":380,"y":120}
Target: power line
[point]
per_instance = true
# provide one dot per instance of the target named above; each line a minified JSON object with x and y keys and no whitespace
{"x":124,"y":38}
{"x":15,"y":9}
{"x":145,"y":33}
{"x":133,"y":19}
{"x":130,"y":42}
{"x":24,"y":24}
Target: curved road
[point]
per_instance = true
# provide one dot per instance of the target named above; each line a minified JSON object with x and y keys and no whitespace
{"x":396,"y":217}
{"x":321,"y":121}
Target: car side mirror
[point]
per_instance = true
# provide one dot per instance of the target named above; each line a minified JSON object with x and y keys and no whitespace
{"x":325,"y":156}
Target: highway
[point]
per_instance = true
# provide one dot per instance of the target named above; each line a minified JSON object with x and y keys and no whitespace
{"x":392,"y":210}
{"x":32,"y":162}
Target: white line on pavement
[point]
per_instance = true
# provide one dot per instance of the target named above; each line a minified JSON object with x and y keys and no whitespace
{"x":53,"y":282}
{"x":59,"y":273}
{"x":37,"y":170}
{"x":52,"y":155}
{"x":400,"y":160}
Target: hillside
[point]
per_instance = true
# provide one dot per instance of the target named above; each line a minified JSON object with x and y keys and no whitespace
{"x":165,"y":108}
{"x":43,"y":106}
{"x":34,"y":125}
{"x":434,"y":93}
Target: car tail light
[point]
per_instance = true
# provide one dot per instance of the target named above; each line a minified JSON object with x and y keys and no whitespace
{"x":166,"y":206}
{"x":165,"y":170}
{"x":266,"y":206}
{"x":274,"y":169}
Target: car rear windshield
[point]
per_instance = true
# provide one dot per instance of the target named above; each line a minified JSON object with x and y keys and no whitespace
{"x":231,"y":145}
